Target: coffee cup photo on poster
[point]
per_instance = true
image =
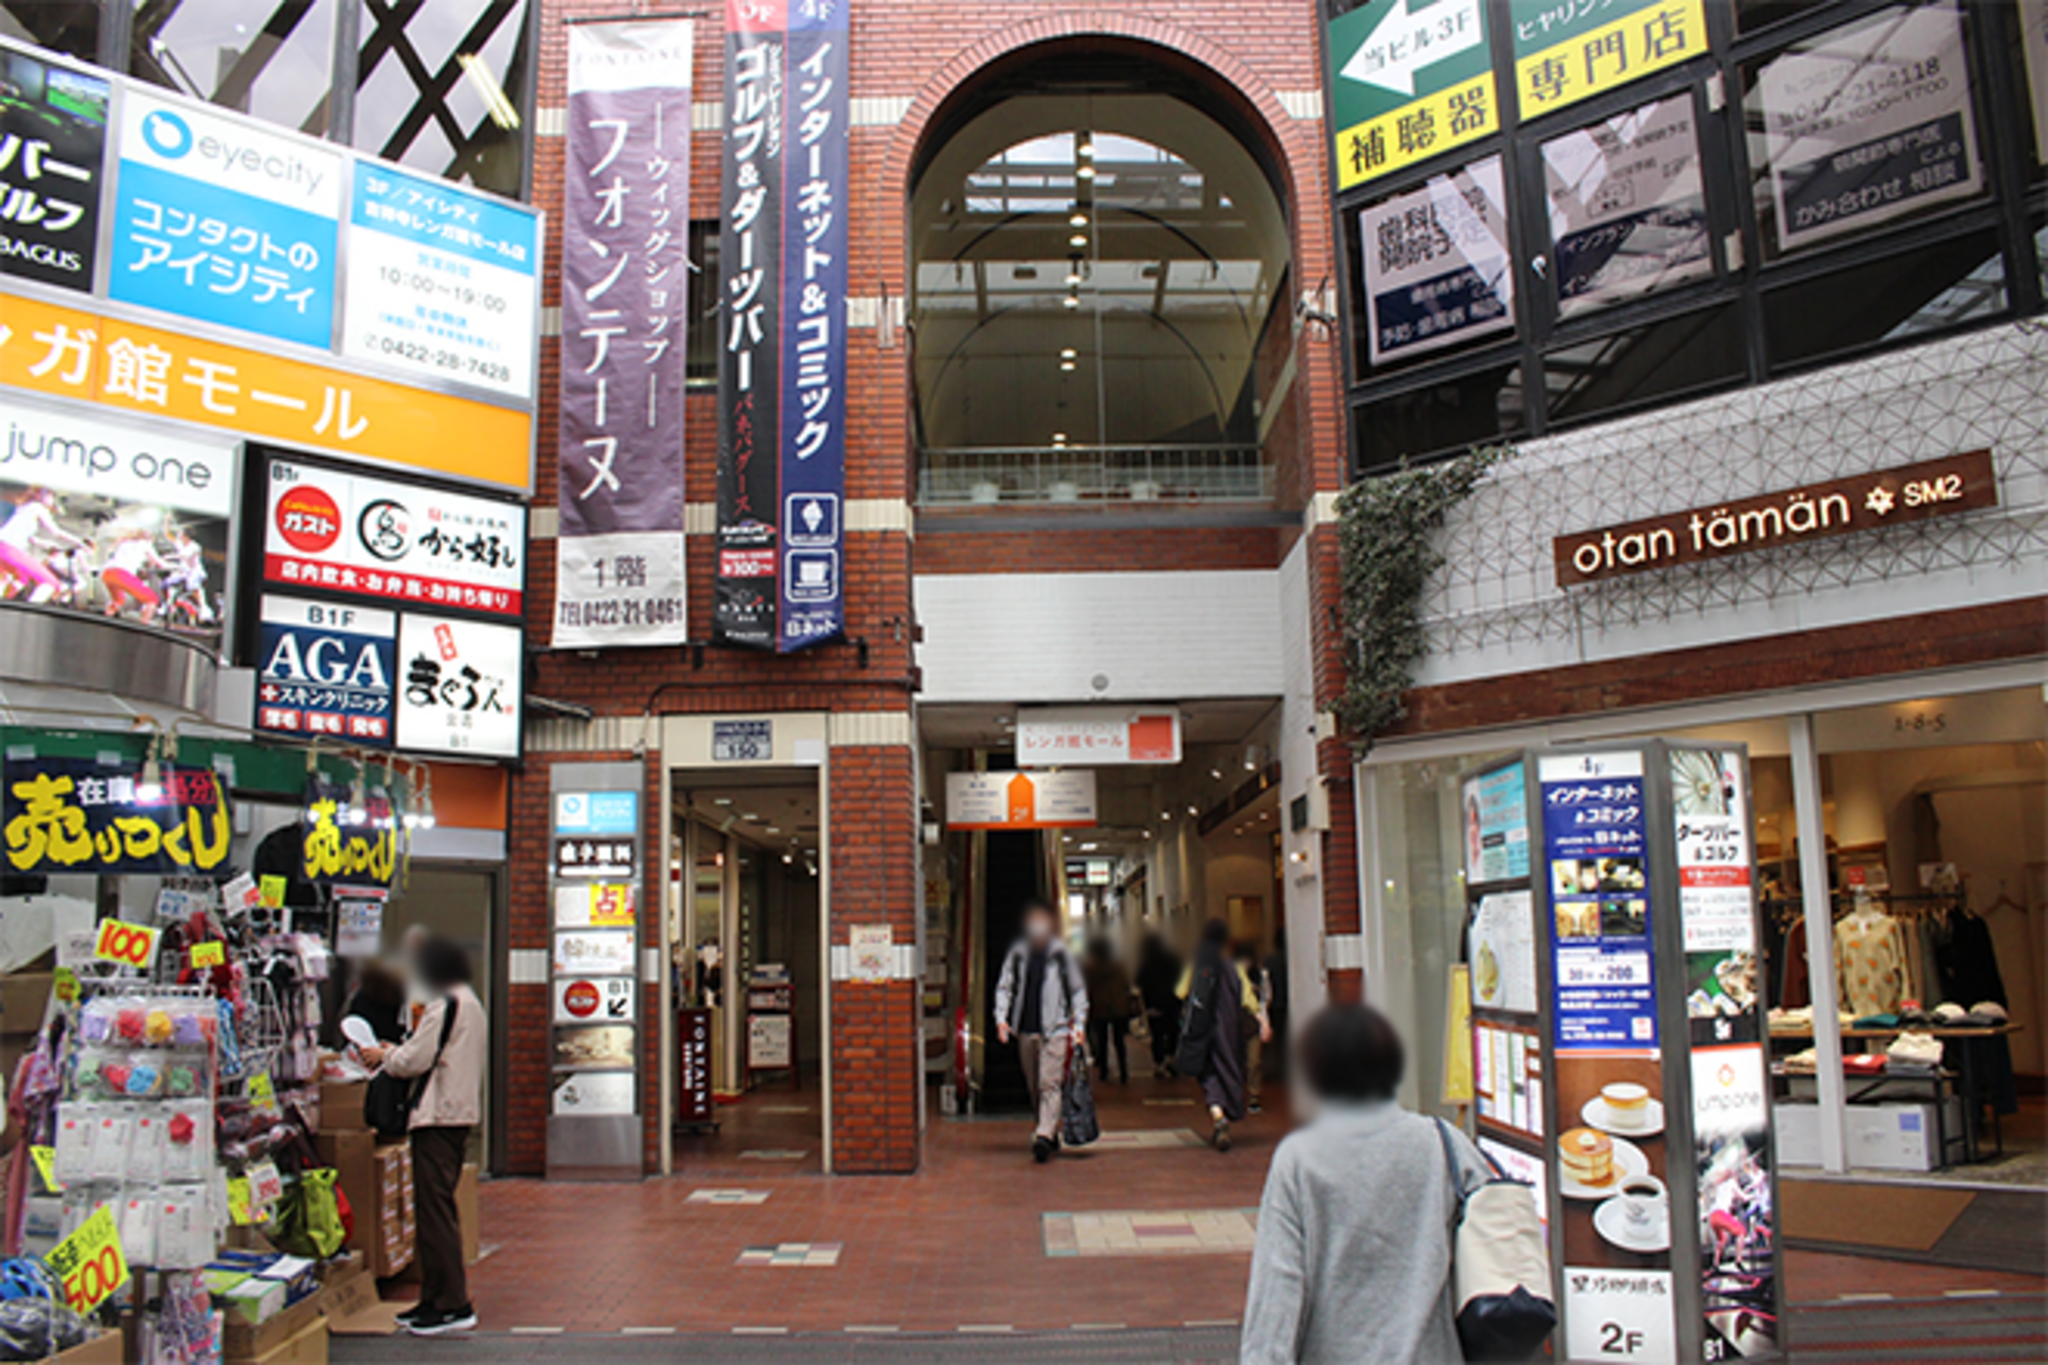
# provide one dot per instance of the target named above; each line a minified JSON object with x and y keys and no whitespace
{"x":1612,"y":1164}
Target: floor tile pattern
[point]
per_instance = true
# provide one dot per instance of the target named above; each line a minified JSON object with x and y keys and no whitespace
{"x":1167,"y":1232}
{"x":791,"y":1254}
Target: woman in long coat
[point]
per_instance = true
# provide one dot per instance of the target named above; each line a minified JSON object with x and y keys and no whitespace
{"x":1222,"y":1011}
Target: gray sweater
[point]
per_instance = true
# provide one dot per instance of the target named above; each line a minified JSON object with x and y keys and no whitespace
{"x":1353,"y":1259}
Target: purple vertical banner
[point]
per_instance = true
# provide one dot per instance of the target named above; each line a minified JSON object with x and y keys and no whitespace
{"x":750,"y":251}
{"x":814,"y":334}
{"x":625,"y":270}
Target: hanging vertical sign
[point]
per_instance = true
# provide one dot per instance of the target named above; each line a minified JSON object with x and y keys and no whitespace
{"x":625,"y":266}
{"x":782,"y":362}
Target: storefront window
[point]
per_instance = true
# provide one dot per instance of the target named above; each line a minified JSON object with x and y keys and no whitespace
{"x":1628,"y":212}
{"x":71,"y":27}
{"x":1442,"y":418}
{"x":273,"y":60}
{"x":441,"y":88}
{"x":1435,"y":266}
{"x":1930,"y":289}
{"x":1655,"y":363}
{"x":1862,"y":126}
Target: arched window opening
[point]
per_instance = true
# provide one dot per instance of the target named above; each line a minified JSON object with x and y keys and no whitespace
{"x":1095,"y":305}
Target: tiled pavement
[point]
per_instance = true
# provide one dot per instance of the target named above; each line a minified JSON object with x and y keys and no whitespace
{"x":968,"y":1245}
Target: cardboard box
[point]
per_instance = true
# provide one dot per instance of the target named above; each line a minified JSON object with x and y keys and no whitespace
{"x":23,"y":997}
{"x":104,"y":1349}
{"x":374,"y":1177}
{"x":341,"y":1106}
{"x":308,"y":1346}
{"x":241,"y":1342}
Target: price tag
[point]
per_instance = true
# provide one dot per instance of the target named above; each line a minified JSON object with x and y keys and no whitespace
{"x":46,"y":1167}
{"x":271,"y":889}
{"x":213,"y":954}
{"x":266,"y":1185}
{"x":240,"y":895}
{"x":132,"y":945}
{"x":238,"y":1201}
{"x":262,"y":1094}
{"x":89,"y":1263}
{"x":64,"y":985}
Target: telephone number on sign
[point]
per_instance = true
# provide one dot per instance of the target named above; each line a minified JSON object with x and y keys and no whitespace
{"x":398,"y":348}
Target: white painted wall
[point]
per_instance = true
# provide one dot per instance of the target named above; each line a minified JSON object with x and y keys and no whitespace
{"x":1046,"y":637}
{"x":1301,"y":883}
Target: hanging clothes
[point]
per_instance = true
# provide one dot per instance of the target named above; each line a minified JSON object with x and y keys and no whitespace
{"x":1870,"y":962}
{"x":1969,"y":974}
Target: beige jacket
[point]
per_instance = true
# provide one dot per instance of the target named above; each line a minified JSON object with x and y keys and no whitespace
{"x":453,"y":1097}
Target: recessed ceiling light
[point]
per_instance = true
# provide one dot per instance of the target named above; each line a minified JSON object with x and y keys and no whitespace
{"x":1078,"y":239}
{"x":1194,"y":810}
{"x":1085,"y":172}
{"x":1079,"y":220}
{"x":1071,"y":302}
{"x":748,"y":815}
{"x":1066,"y":353}
{"x":775,"y":829}
{"x":1166,"y":815}
{"x":721,"y":800}
{"x":1067,"y":366}
{"x":1073,"y":278}
{"x":1087,"y":148}
{"x":1215,"y":774}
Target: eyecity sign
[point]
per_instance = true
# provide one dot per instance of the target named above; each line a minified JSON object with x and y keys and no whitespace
{"x":1861,"y":502}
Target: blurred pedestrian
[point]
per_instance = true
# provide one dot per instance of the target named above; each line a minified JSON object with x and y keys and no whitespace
{"x":1109,"y":1007}
{"x":1353,"y":1257}
{"x":1158,"y":986}
{"x":1219,"y":1002}
{"x":1042,"y":1002}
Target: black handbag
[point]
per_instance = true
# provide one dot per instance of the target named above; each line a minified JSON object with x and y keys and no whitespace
{"x":1078,"y":1125}
{"x":1197,"y":1024}
{"x":389,"y":1101}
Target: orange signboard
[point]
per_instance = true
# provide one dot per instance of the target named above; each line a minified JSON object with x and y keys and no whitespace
{"x":84,"y":354}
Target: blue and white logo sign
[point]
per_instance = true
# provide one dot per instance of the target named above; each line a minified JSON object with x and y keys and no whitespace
{"x":225,"y":221}
{"x":597,"y":812}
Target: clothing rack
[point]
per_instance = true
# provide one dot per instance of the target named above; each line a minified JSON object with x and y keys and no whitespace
{"x":1785,"y":909}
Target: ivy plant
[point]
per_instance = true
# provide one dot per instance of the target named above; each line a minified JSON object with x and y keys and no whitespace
{"x":1385,"y":542}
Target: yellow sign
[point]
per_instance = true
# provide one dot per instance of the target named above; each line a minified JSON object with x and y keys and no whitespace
{"x":46,"y":1167}
{"x":89,"y":1263}
{"x":211,"y":954}
{"x":272,"y":889}
{"x":1428,"y":127}
{"x":131,"y":945}
{"x":611,"y":906}
{"x":1597,"y":60}
{"x":360,"y":854}
{"x":64,"y":985}
{"x":239,"y":1211}
{"x":1458,"y":1038}
{"x":66,"y":814}
{"x":262,"y":1094}
{"x":80,"y":353}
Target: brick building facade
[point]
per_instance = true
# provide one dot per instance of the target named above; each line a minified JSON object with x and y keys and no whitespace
{"x":911,"y":67}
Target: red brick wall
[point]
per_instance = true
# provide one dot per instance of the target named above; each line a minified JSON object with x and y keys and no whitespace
{"x":875,"y":1042}
{"x":1251,"y":50}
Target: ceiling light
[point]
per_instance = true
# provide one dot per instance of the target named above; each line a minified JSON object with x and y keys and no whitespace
{"x":775,"y":829}
{"x":1194,"y":810}
{"x":1090,"y":848}
{"x":1079,"y":220}
{"x":1073,"y":279}
{"x":721,"y":800}
{"x":748,"y":815}
{"x":1066,"y":353}
{"x":1087,"y":148}
{"x":1067,"y":366}
{"x":788,"y":857}
{"x":1071,"y":302}
{"x":1059,"y":438}
{"x":1146,"y":834}
{"x":1085,"y":172}
{"x":496,"y":104}
{"x":1215,"y":774}
{"x":1166,"y":815}
{"x":1078,"y":239}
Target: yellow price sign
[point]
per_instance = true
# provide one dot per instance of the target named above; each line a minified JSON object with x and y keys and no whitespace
{"x":64,"y":984}
{"x":214,"y":954}
{"x":239,"y":1212}
{"x":89,"y":1263}
{"x":262,"y":1093}
{"x":271,"y":889}
{"x":46,"y":1167}
{"x":131,"y":945}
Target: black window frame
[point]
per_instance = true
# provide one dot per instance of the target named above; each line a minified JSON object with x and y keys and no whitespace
{"x":2013,"y":204}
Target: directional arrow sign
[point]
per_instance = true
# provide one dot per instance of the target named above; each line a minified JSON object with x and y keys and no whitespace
{"x":1406,"y":40}
{"x":1409,"y":80}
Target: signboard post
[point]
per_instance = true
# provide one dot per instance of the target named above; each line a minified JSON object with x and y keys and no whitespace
{"x":595,"y":1050}
{"x":1645,"y":1060}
